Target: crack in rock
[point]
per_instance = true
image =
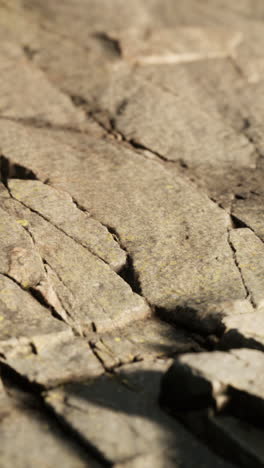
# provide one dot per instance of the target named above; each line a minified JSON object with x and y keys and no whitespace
{"x":233,"y":249}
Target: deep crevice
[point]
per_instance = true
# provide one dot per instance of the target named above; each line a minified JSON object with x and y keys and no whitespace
{"x":237,"y":223}
{"x":130,"y":276}
{"x":37,"y":295}
{"x":128,"y":272}
{"x":43,"y":301}
{"x":247,"y":291}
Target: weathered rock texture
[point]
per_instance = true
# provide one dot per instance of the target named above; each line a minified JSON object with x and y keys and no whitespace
{"x":131,"y":230}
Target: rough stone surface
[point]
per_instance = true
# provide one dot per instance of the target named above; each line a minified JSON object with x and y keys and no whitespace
{"x":23,"y":317}
{"x":50,"y":362}
{"x":59,"y":209}
{"x":142,"y":340}
{"x":131,"y":232}
{"x":82,"y":288}
{"x":248,"y":247}
{"x":126,"y":402}
{"x":164,"y":223}
{"x":30,"y":438}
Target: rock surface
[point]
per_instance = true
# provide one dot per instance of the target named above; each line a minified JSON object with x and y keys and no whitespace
{"x":131,"y":231}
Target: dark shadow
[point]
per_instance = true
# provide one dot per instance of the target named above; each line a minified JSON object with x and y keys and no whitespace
{"x":233,"y":339}
{"x":130,"y":391}
{"x":9,"y":170}
{"x":25,"y":398}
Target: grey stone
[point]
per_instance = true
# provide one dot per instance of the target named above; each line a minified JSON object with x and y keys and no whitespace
{"x":35,"y":97}
{"x":29,"y":438}
{"x":126,"y":402}
{"x":83,"y":289}
{"x":23,"y":317}
{"x":249,"y":253}
{"x":58,"y":208}
{"x":18,"y":257}
{"x":142,"y":340}
{"x":217,"y":378}
{"x":243,"y":331}
{"x":248,"y":208}
{"x":172,"y":134}
{"x":49,"y":361}
{"x":138,"y":130}
{"x":176,"y":218}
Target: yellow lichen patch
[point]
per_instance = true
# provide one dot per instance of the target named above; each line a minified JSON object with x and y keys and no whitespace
{"x":22,"y":222}
{"x":117,"y":339}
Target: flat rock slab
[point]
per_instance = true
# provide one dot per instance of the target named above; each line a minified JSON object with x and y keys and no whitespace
{"x":35,"y":97}
{"x":126,"y":402}
{"x":19,"y":259}
{"x":183,"y":260}
{"x":131,"y":232}
{"x":49,"y":361}
{"x":84,"y":291}
{"x":59,"y":209}
{"x":173,"y":135}
{"x":30,"y":438}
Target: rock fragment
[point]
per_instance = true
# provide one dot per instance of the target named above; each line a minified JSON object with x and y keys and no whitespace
{"x":244,"y":331}
{"x":50,"y":361}
{"x":142,"y":340}
{"x":217,"y":379}
{"x":23,"y":317}
{"x":18,"y":257}
{"x":82,"y":288}
{"x":58,"y":208}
